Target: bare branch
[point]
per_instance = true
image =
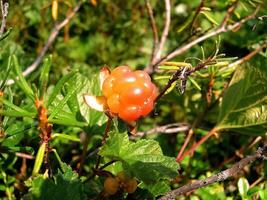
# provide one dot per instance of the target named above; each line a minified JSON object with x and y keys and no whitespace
{"x":165,"y":129}
{"x":248,"y":57}
{"x":4,"y":11}
{"x":51,"y":39}
{"x":221,"y":176}
{"x":158,"y":50}
{"x":24,"y":155}
{"x":166,"y":29}
{"x":221,"y":29}
{"x":187,"y":73}
{"x":154,"y":29}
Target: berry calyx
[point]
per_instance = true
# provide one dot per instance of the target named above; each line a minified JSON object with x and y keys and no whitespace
{"x":130,"y":94}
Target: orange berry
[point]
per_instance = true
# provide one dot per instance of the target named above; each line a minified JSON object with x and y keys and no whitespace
{"x":122,"y":83}
{"x":114,"y":103}
{"x":134,"y":95}
{"x":147,"y":107}
{"x":129,"y":94}
{"x":107,"y":87}
{"x":142,"y":75}
{"x":111,"y":185}
{"x":120,"y":70}
{"x":129,"y":113}
{"x":130,"y":185}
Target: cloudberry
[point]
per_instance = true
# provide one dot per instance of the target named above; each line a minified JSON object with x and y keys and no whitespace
{"x":130,"y":94}
{"x":111,"y":186}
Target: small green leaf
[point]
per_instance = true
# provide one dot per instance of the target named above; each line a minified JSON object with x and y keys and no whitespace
{"x":18,"y":111}
{"x":61,"y":104}
{"x":144,"y":158}
{"x":6,"y":73}
{"x":171,"y":88}
{"x":6,"y":34}
{"x":243,"y":187}
{"x":187,"y":23}
{"x":45,"y":75}
{"x":39,"y":159}
{"x":213,"y":21}
{"x":59,"y":86}
{"x":67,"y":137}
{"x":194,"y":83}
{"x":22,"y":81}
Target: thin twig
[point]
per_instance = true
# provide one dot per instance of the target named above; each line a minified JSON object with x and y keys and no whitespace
{"x":187,"y":139}
{"x":196,"y":145}
{"x":158,"y":49}
{"x":24,"y":155}
{"x":51,"y":39}
{"x":165,"y":30}
{"x":4,"y":12}
{"x":178,"y":73}
{"x":247,"y":57}
{"x":165,"y":129}
{"x":220,"y":29}
{"x":154,"y":29}
{"x":221,"y":176}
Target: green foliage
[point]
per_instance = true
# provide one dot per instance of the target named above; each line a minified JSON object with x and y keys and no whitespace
{"x":230,"y":99}
{"x":244,"y":103}
{"x":140,"y":158}
{"x":65,"y":185}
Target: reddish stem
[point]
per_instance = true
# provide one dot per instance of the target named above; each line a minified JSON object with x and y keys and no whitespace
{"x":188,"y":137}
{"x":196,"y":145}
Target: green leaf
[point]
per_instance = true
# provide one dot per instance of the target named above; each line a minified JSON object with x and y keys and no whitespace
{"x":6,"y":34}
{"x":243,"y":187}
{"x":59,"y":86}
{"x":22,"y":81}
{"x":156,"y":189}
{"x":90,"y":86}
{"x":39,"y":159}
{"x":67,"y":137}
{"x":65,"y":186}
{"x":143,"y":158}
{"x":194,"y":83}
{"x":6,"y":73}
{"x":244,"y":103}
{"x":19,"y":112}
{"x":45,"y":75}
{"x":208,"y":16}
{"x":187,"y":23}
{"x":72,"y":91}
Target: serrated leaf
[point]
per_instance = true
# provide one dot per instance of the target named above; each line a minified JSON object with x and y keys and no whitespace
{"x":156,"y":189}
{"x":66,"y":186}
{"x":244,"y":103}
{"x":143,"y":158}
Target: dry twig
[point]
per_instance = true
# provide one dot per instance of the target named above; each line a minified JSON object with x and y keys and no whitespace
{"x":51,"y":39}
{"x":4,"y":12}
{"x":221,"y":29}
{"x":165,"y":129}
{"x":221,"y":176}
{"x":154,"y":29}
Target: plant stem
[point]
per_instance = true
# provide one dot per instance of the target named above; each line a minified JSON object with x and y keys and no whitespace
{"x":196,"y":145}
